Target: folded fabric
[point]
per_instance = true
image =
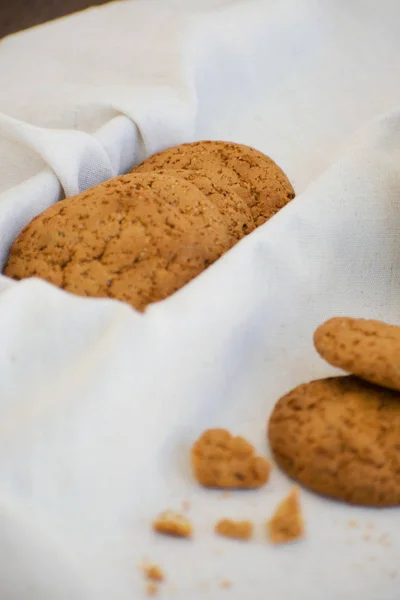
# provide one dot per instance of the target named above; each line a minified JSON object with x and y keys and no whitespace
{"x":100,"y":404}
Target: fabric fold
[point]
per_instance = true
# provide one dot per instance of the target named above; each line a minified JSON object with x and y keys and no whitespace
{"x":99,"y":404}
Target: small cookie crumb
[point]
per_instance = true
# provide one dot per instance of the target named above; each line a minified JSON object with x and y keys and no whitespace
{"x":174,"y":524}
{"x":287,"y":524}
{"x":221,"y":460}
{"x":363,"y":347}
{"x":226,"y":584}
{"x":154,"y":572}
{"x":226,"y":494}
{"x":152,"y":589}
{"x":186,"y":505}
{"x":384,"y":540}
{"x":237,"y":530}
{"x":353,"y":524}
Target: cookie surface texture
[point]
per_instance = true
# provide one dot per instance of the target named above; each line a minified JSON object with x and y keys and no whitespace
{"x":232,"y":207}
{"x":135,"y":238}
{"x":252,"y":174}
{"x":369,"y":349}
{"x":339,"y":437}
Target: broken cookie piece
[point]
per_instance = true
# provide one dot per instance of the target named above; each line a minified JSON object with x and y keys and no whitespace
{"x":152,"y":589}
{"x":221,"y":460}
{"x":226,"y":584}
{"x":154,"y":573}
{"x":237,"y":530}
{"x":174,"y":524}
{"x":287,"y":524}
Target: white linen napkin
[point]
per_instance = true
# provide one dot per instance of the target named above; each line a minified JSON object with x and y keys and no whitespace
{"x":99,"y":404}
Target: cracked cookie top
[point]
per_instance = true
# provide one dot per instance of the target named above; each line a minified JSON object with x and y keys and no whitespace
{"x":250,"y":173}
{"x":136,"y":238}
{"x":232,"y":207}
{"x":339,"y":437}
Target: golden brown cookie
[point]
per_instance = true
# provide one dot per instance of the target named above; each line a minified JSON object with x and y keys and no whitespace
{"x":369,"y":349}
{"x":339,"y":437}
{"x":232,"y":207}
{"x":136,"y":238}
{"x":252,"y":174}
{"x":286,"y":525}
{"x":236,"y":530}
{"x":220,"y":460}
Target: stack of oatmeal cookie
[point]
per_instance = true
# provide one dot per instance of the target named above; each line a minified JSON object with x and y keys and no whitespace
{"x":142,"y":236}
{"x":340,"y":436}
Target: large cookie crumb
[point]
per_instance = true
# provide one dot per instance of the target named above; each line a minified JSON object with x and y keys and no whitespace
{"x":173,"y":524}
{"x":237,"y":530}
{"x":287,"y":524}
{"x":221,"y":460}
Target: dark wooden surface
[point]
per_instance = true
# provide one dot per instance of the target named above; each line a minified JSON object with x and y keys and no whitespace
{"x":21,"y":14}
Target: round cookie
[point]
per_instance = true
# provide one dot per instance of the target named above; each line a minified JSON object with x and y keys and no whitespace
{"x":339,"y":437}
{"x":369,"y":349}
{"x":136,"y":238}
{"x":252,"y":174}
{"x":233,"y":208}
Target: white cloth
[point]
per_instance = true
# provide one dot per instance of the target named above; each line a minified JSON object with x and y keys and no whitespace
{"x":99,"y":405}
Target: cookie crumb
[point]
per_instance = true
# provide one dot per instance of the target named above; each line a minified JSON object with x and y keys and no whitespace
{"x":152,"y":589}
{"x":237,"y":530}
{"x":186,"y":506}
{"x":226,"y":584}
{"x":226,"y":494}
{"x":353,"y":524}
{"x":287,"y":524}
{"x":384,"y":540}
{"x":221,"y":460}
{"x":154,"y":572}
{"x":174,"y":524}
